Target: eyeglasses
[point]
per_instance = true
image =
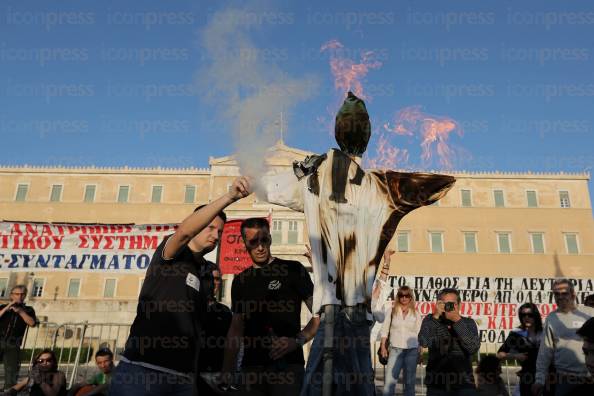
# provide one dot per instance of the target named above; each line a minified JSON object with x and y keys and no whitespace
{"x":403,"y":295}
{"x":254,"y":243}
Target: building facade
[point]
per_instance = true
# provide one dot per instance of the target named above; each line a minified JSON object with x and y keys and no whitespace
{"x":489,"y":224}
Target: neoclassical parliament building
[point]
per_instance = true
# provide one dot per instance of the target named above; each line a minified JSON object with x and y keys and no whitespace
{"x":520,"y":224}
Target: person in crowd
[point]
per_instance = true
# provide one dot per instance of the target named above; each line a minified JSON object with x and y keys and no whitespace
{"x":522,"y":345}
{"x":561,"y":346}
{"x":452,"y":341}
{"x":399,"y":342}
{"x":161,"y":353}
{"x":489,"y":381}
{"x":44,"y":378}
{"x":587,"y":334}
{"x":14,"y":319}
{"x":97,"y":385}
{"x":266,"y":304}
{"x":218,"y":317}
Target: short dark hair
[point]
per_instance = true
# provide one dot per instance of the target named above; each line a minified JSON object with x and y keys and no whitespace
{"x":587,"y":330}
{"x":489,"y":364}
{"x":20,"y":287}
{"x":221,"y":214}
{"x":104,"y":352}
{"x":254,"y":222}
{"x":449,"y":290}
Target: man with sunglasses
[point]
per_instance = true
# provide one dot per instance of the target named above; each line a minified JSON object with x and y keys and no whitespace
{"x":562,"y":346}
{"x":14,"y":319}
{"x":162,"y":350}
{"x":266,"y":304}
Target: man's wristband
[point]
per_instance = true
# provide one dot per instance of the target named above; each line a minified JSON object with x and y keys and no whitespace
{"x":300,"y":339}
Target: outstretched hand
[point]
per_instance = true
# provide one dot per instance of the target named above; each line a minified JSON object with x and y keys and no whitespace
{"x":240,"y":188}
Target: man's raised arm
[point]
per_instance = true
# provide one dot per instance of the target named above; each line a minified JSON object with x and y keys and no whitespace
{"x":197,"y":221}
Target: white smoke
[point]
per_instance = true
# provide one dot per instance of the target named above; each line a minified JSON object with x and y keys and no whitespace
{"x":247,"y":89}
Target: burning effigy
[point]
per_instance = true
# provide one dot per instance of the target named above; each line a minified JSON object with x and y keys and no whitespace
{"x":351,"y":216}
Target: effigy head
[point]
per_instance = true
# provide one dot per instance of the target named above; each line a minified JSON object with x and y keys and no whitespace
{"x":352,"y":129}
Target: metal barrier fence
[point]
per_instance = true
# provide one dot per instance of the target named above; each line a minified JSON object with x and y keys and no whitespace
{"x":75,"y":344}
{"x":508,"y":369}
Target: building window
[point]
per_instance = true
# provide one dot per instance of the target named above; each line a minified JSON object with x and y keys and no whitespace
{"x":470,"y":242}
{"x":571,"y":243}
{"x":110,"y":288}
{"x":436,"y":239}
{"x":466,"y":198}
{"x":293,"y":233}
{"x":402,"y":242}
{"x":277,"y":232}
{"x":56,"y":195}
{"x":90,"y":193}
{"x":537,"y":239}
{"x":504,"y":242}
{"x":73,"y":287}
{"x":38,"y":284}
{"x":3,"y":287}
{"x":564,"y":199}
{"x":123,"y":192}
{"x":531,"y":199}
{"x":21,"y":193}
{"x":156,"y":194}
{"x":190,"y":195}
{"x":498,"y":198}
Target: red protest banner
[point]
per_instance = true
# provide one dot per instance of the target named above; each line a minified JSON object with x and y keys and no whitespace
{"x":233,"y":258}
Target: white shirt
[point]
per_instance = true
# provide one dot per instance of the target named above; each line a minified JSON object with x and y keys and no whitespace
{"x":350,"y":229}
{"x":403,"y":330}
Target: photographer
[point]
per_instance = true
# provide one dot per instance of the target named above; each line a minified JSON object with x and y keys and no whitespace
{"x":14,"y":319}
{"x":452,"y":340}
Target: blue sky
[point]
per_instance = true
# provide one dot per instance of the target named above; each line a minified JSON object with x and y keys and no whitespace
{"x":114,"y":82}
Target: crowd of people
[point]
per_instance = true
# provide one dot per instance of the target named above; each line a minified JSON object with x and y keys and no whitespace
{"x":185,"y":342}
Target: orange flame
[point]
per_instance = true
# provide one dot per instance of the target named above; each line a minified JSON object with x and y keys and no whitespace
{"x":347,"y":74}
{"x":434,"y":132}
{"x":388,"y":156}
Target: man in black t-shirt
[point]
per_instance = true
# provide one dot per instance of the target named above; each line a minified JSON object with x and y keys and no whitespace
{"x":161,"y":354}
{"x":14,"y":319}
{"x":266,"y":304}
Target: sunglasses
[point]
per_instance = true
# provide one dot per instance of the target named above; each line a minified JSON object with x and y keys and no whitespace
{"x":254,"y":243}
{"x":403,"y":295}
{"x":526,"y":314}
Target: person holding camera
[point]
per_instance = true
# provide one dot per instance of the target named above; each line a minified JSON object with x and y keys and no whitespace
{"x":452,"y":341}
{"x":14,"y":319}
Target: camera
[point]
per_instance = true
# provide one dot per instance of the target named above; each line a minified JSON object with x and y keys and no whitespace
{"x":449,"y":306}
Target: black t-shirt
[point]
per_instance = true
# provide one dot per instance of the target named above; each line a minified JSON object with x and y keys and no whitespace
{"x":12,"y":325}
{"x":518,"y":342}
{"x":270,"y":299}
{"x":218,"y":320}
{"x":171,"y":305}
